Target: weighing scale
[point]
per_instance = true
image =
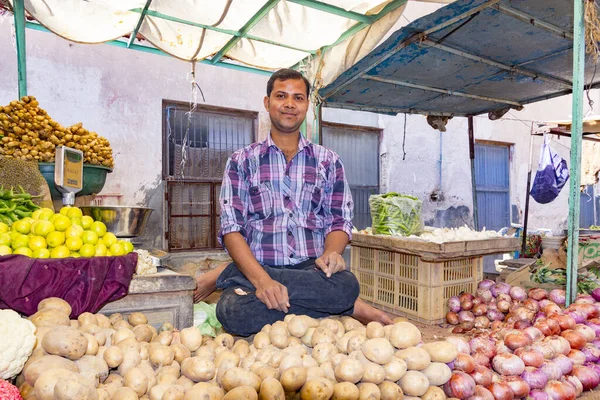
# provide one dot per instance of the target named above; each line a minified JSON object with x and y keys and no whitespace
{"x":68,"y":173}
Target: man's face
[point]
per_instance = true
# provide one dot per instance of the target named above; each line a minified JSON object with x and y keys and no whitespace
{"x":287,"y":105}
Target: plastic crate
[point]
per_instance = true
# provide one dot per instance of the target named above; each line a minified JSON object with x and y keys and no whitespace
{"x":405,"y":284}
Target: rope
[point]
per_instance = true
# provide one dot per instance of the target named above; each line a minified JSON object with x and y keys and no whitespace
{"x":592,"y":29}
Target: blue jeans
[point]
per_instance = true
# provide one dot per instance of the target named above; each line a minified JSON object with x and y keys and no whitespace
{"x":310,"y":292}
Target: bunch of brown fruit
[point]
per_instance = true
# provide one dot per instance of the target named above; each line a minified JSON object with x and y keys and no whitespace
{"x":29,"y":133}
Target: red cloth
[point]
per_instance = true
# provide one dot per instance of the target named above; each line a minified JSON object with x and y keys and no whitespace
{"x":86,"y":284}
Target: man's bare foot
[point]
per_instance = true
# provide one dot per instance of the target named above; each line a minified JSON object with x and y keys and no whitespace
{"x":366,"y":313}
{"x":207,"y":283}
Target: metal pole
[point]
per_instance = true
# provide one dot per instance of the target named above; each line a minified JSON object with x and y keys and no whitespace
{"x":526,"y":215}
{"x":576,"y":136}
{"x":473,"y":183}
{"x":319,"y":130}
{"x":19,"y":15}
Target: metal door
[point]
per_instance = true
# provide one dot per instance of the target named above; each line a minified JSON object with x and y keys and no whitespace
{"x":493,"y":185}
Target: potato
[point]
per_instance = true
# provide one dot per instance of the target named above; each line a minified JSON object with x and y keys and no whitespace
{"x":167,"y":375}
{"x":324,"y":351}
{"x":87,"y":318}
{"x":379,"y":351}
{"x":293,"y":379}
{"x":75,"y":387}
{"x":203,"y":391}
{"x":390,"y":391}
{"x":167,"y":326}
{"x":416,"y":358}
{"x":271,"y":389}
{"x":158,"y":391}
{"x":142,"y":333}
{"x":225,"y":340}
{"x":241,"y":393}
{"x":317,"y":389}
{"x":241,"y":348}
{"x":395,"y":369}
{"x":314,"y":373}
{"x":137,"y":318}
{"x":160,"y":355}
{"x":113,"y":378}
{"x":122,"y":324}
{"x":368,"y":391}
{"x":375,"y":330}
{"x":236,"y":376}
{"x":350,"y":323}
{"x":174,"y":392}
{"x":434,"y":393}
{"x":298,"y":326}
{"x":322,"y":335}
{"x":147,"y":369}
{"x":180,"y":352}
{"x":374,"y":373}
{"x":437,"y":373}
{"x":355,"y":343}
{"x":93,"y":368}
{"x":92,"y":345}
{"x":205,"y":352}
{"x":113,"y":356}
{"x":185,"y":382}
{"x":74,"y":324}
{"x":414,"y":383}
{"x":289,"y":361}
{"x":328,"y":368}
{"x":349,"y":370}
{"x":123,"y":334}
{"x":345,"y":391}
{"x":45,"y":363}
{"x":103,"y":394}
{"x":267,"y":372}
{"x":131,"y":359}
{"x":338,"y":358}
{"x":261,"y":340}
{"x":44,"y":385}
{"x":442,"y":352}
{"x":114,"y":318}
{"x":307,"y":338}
{"x":190,"y":338}
{"x":227,"y":359}
{"x":137,"y":380}
{"x":50,"y":317}
{"x":404,"y":335}
{"x":198,"y":369}
{"x":279,"y":335}
{"x":103,"y":321}
{"x":309,"y":361}
{"x":125,"y":393}
{"x":55,"y":303}
{"x":129,"y":344}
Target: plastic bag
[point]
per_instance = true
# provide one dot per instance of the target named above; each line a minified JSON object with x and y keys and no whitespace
{"x":551,"y":176}
{"x":211,"y":325}
{"x":395,"y":214}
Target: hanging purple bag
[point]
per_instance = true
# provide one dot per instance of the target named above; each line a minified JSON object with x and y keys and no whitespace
{"x":551,"y":176}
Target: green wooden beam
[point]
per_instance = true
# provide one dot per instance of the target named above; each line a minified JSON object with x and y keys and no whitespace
{"x":154,"y":50}
{"x":328,"y":8}
{"x":359,"y":27}
{"x":264,"y":10}
{"x":19,"y":15}
{"x":220,"y":30}
{"x":576,"y":136}
{"x":139,"y":24}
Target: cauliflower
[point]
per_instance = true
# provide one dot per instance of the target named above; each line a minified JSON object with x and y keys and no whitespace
{"x":17,"y":339}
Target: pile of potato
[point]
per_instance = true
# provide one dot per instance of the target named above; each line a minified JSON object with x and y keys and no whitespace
{"x":99,"y":357}
{"x":27,"y":132}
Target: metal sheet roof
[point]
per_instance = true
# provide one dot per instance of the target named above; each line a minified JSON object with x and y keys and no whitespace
{"x":468,"y":58}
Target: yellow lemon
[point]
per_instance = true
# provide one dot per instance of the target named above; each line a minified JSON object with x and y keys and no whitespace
{"x":60,"y":252}
{"x":37,"y":242}
{"x":20,"y":241}
{"x":87,"y":250}
{"x":99,"y":228}
{"x":41,"y":253}
{"x":25,"y":251}
{"x":86,"y":221}
{"x":54,"y":216}
{"x":5,"y":239}
{"x":75,"y":254}
{"x":61,"y":223}
{"x":74,"y":212}
{"x":3,"y":227}
{"x":55,"y":239}
{"x":74,"y":243}
{"x":45,"y":214}
{"x":89,"y":237}
{"x":43,"y":228}
{"x":22,"y":226}
{"x":36,"y":213}
{"x":109,"y":254}
{"x":109,"y":239}
{"x":76,"y":221}
{"x":74,"y":231}
{"x":64,"y":210}
{"x":117,"y":249}
{"x":128,"y":246}
{"x":100,"y":249}
{"x":4,"y":250}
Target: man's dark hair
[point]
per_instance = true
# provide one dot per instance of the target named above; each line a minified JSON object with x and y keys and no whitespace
{"x":284,"y":75}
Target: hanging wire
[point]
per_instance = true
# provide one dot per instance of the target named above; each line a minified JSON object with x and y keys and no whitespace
{"x":186,"y":143}
{"x":404,"y":139}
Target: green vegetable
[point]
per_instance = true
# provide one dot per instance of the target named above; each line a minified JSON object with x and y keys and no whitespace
{"x":586,"y":281}
{"x":395,"y":214}
{"x":15,"y":206}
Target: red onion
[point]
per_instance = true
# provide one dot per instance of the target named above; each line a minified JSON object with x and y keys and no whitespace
{"x":494,"y":314}
{"x":460,"y":343}
{"x":548,"y":327}
{"x":508,"y":364}
{"x":465,"y":296}
{"x":496,"y":325}
{"x":589,"y":310}
{"x":486,"y":284}
{"x":466,"y":305}
{"x":559,"y":344}
{"x":481,"y":375}
{"x":524,"y":314}
{"x":530,"y":357}
{"x":481,"y":322}
{"x":537,"y":294}
{"x":558,"y":296}
{"x":521,"y":325}
{"x":518,"y":385}
{"x":577,"y":356}
{"x":578,"y":316}
{"x":533,"y":333}
{"x":452,"y":318}
{"x":535,"y":378}
{"x":501,"y":391}
{"x":482,"y":393}
{"x":574,"y":382}
{"x":503,"y":305}
{"x":596,"y":294}
{"x":504,"y":296}
{"x":483,"y":344}
{"x":498,"y":288}
{"x":593,"y":366}
{"x":564,"y":363}
{"x":543,"y":303}
{"x":466,"y":316}
{"x":585,"y":299}
{"x":587,"y":332}
{"x":501,"y":348}
{"x":588,"y":377}
{"x":560,"y":391}
{"x":517,"y":293}
{"x":546,"y":349}
{"x":592,"y":353}
{"x":458,"y":329}
{"x":532,"y":305}
{"x":460,"y":385}
{"x":552,"y":371}
{"x":479,"y":309}
{"x":481,"y":359}
{"x":538,"y":395}
{"x":594,"y":323}
{"x":464,"y":363}
{"x":552,"y":308}
{"x":454,"y":304}
{"x":539,"y":315}
{"x":467,"y":325}
{"x":564,"y":321}
{"x":576,"y":340}
{"x":517,"y":339}
{"x":485,"y":294}
{"x":477,"y":301}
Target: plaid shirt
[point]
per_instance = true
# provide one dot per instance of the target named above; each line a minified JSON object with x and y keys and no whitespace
{"x":285,"y":210}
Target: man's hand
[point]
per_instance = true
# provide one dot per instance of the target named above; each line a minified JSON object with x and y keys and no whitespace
{"x":331,"y":263}
{"x":273,"y":294}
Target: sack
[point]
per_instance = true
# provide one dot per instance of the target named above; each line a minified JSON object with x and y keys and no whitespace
{"x":395,"y":214}
{"x":551,"y":176}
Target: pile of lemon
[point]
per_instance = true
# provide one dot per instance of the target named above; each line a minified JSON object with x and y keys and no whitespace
{"x":68,"y":233}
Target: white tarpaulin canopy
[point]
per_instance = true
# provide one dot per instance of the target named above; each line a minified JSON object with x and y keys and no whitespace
{"x":264,"y":34}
